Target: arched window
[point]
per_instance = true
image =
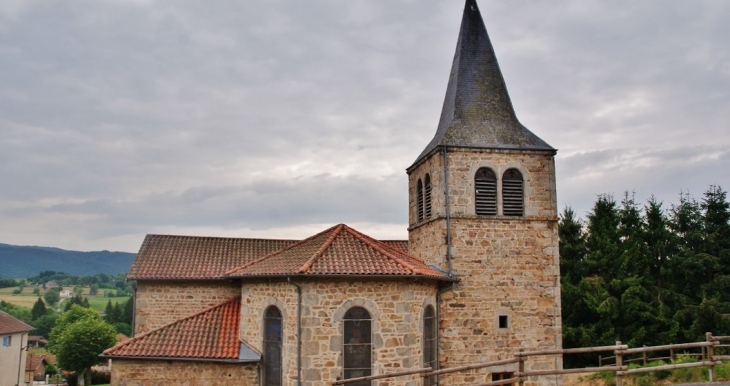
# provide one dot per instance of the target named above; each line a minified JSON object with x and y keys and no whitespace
{"x":427,"y":197}
{"x":272,"y":347}
{"x":512,"y":193}
{"x":429,"y":344}
{"x":485,"y":192}
{"x":419,"y":200}
{"x":357,"y":345}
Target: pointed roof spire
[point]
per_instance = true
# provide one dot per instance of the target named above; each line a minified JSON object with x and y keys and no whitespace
{"x":477,"y":111}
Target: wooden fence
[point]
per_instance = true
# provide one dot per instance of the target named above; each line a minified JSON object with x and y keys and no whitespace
{"x":620,"y":367}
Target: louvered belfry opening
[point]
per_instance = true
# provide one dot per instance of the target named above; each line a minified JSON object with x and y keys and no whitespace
{"x":419,"y":200}
{"x":485,"y":192}
{"x":512,"y":193}
{"x":427,"y":197}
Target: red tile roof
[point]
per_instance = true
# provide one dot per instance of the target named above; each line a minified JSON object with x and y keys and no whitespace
{"x":339,"y":250}
{"x":11,"y":325}
{"x":34,"y":361}
{"x":211,"y":334}
{"x":191,"y":257}
{"x":397,"y":244}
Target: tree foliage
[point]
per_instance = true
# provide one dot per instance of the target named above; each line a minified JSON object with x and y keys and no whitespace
{"x":52,"y":296}
{"x":78,"y":346}
{"x":38,"y":310}
{"x":78,"y":338}
{"x":645,"y":275}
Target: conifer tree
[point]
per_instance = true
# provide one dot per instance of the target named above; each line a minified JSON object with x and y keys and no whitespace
{"x":39,"y":309}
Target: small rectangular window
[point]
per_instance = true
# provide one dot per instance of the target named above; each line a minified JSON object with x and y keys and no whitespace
{"x":503,"y":321}
{"x":6,"y":341}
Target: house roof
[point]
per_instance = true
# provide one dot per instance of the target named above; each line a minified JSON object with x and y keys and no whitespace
{"x":338,"y":251}
{"x":37,"y":338}
{"x":166,"y":257}
{"x":209,"y":335}
{"x":34,"y":361}
{"x":477,"y":110}
{"x":192,"y":257}
{"x":12,"y":325}
{"x":401,"y":245}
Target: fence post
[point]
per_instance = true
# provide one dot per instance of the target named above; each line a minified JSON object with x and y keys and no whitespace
{"x":600,"y":360}
{"x":619,"y":363}
{"x":710,"y":355}
{"x":644,"y":356}
{"x":521,"y":366}
{"x":671,"y":354}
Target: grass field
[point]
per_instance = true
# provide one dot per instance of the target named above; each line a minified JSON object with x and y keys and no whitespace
{"x":27,"y":298}
{"x":99,"y":303}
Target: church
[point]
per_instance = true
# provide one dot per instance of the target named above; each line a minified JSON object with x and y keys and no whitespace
{"x":477,"y":280}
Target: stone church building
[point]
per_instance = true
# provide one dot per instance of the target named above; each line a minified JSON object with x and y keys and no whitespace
{"x":477,"y":279}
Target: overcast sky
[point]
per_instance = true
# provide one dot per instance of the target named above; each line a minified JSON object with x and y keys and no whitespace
{"x":278,"y":119}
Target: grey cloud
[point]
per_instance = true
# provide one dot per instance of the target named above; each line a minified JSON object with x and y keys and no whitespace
{"x":122,"y":117}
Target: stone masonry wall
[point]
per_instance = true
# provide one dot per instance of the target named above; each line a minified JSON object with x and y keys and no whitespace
{"x":396,"y":307}
{"x":188,"y":373}
{"x":158,"y":303}
{"x":506,"y":266}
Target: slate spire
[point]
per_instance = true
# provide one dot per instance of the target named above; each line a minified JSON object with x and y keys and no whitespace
{"x":477,"y":111}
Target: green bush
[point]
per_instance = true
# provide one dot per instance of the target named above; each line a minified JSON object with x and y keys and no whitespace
{"x":723,"y":370}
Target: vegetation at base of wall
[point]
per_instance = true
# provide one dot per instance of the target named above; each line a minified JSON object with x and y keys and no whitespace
{"x":665,"y":377}
{"x":645,"y":274}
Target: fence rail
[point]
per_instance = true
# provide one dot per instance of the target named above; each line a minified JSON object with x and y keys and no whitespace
{"x":620,"y":368}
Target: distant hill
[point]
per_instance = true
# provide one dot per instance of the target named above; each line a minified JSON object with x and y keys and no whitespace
{"x":24,"y":261}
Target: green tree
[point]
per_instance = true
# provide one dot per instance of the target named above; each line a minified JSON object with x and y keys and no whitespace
{"x":128,"y":313}
{"x":94,"y":289}
{"x":660,"y":242}
{"x":45,"y":324}
{"x":69,"y":317}
{"x":717,"y":225}
{"x":572,"y":247}
{"x":123,"y":328}
{"x":52,"y":296}
{"x":76,"y":300}
{"x":79,"y":344}
{"x":39,"y":309}
{"x":603,"y":239}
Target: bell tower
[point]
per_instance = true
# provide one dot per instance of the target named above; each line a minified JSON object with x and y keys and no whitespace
{"x":482,"y":206}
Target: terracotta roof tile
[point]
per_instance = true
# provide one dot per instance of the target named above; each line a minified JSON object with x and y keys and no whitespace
{"x":401,"y":245}
{"x":211,"y":334}
{"x":191,"y":257}
{"x":11,"y":325}
{"x":339,"y":250}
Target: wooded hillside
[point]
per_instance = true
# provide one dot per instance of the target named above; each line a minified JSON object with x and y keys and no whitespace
{"x":25,"y":261}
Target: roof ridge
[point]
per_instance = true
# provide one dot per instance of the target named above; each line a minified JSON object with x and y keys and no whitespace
{"x":308,"y":264}
{"x":230,"y":272}
{"x":139,"y":337}
{"x":375,"y":244}
{"x":216,"y":237}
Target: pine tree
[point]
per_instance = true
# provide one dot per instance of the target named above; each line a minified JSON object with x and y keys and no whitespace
{"x":572,"y":247}
{"x":39,"y":309}
{"x":603,"y":239}
{"x":717,"y":225}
